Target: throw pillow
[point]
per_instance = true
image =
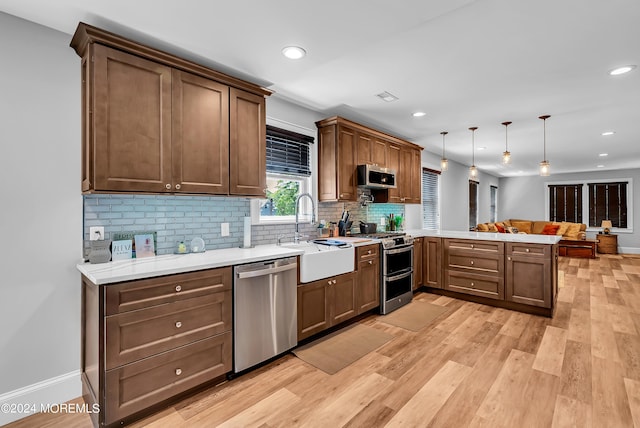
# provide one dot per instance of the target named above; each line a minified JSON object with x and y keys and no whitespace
{"x":500,"y":228}
{"x":482,"y":227}
{"x":550,"y":229}
{"x":573,"y":231}
{"x":563,"y":228}
{"x":523,"y":226}
{"x":492,"y":227}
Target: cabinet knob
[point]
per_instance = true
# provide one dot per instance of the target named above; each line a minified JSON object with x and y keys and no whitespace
{"x":527,"y":250}
{"x":471,"y":261}
{"x":178,"y":372}
{"x":178,"y":288}
{"x":370,"y":262}
{"x":178,"y":324}
{"x":334,"y":281}
{"x":509,"y":258}
{"x":473,"y":284}
{"x":472,"y":245}
{"x":167,"y":186}
{"x":329,"y":282}
{"x":369,"y":252}
{"x":342,"y":195}
{"x":177,"y":187}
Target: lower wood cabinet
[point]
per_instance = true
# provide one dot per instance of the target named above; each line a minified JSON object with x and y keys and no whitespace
{"x":432,"y":262}
{"x":368,"y":284}
{"x":531,"y":274}
{"x":146,"y":341}
{"x":417,"y":263}
{"x":325,"y":303}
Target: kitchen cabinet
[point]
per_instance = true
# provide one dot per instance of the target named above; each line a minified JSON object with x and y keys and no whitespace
{"x":368,"y":280}
{"x":531,"y":274}
{"x":432,"y":262}
{"x":325,"y":303}
{"x":343,"y":145}
{"x":474,"y":267}
{"x":149,"y":340}
{"x":417,"y":263}
{"x":156,"y":123}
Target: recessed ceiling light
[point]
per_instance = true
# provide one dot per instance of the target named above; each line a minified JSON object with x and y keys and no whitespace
{"x":607,"y":133}
{"x":386,"y":96}
{"x":599,"y":166}
{"x":419,"y":114}
{"x":482,"y":148}
{"x":603,"y":154}
{"x":622,"y":70}
{"x":293,"y":52}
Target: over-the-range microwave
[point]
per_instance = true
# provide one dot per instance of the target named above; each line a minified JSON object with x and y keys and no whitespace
{"x":375,"y":177}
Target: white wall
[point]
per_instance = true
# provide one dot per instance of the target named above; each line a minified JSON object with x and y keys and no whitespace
{"x":41,"y":215}
{"x":525,"y":197}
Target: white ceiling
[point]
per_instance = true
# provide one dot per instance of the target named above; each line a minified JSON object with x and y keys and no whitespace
{"x":463,"y":62}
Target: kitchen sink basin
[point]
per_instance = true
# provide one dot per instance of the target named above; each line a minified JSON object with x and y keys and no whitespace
{"x":323,"y":261}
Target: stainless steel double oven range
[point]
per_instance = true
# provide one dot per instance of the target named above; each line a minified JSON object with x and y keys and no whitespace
{"x":396,"y":270}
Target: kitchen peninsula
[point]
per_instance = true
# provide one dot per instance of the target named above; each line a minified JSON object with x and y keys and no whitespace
{"x":513,"y":271}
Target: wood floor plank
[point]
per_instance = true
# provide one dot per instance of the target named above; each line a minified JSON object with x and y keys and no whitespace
{"x":629,"y":351}
{"x":580,"y":326}
{"x":575,"y":379}
{"x":609,"y":396}
{"x":431,"y":397}
{"x":633,"y":395}
{"x":571,"y":413}
{"x":264,"y":411}
{"x":550,"y":356}
{"x":621,"y":321}
{"x":515,"y":325}
{"x":603,"y":341}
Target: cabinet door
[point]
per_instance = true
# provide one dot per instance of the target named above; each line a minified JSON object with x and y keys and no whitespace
{"x":363,"y":149}
{"x":247,"y":144}
{"x":200,"y":135}
{"x":132,"y":122}
{"x":346,"y":164}
{"x":343,"y":298}
{"x":414,"y":186}
{"x":368,"y":283}
{"x":396,"y":194}
{"x":313,"y":308}
{"x":417,"y":263}
{"x":529,"y":277}
{"x":327,"y":172}
{"x":379,"y":152}
{"x":432,"y":262}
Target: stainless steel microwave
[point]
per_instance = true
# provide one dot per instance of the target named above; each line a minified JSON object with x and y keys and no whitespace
{"x":375,"y":177}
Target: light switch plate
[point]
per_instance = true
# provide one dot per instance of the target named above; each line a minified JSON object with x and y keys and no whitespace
{"x":224,"y":229}
{"x":96,"y":233}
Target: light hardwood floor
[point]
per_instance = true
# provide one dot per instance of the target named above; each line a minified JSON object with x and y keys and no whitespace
{"x":475,"y":366}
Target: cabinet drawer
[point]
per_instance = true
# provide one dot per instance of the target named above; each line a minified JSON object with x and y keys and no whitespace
{"x":528,"y":249}
{"x":136,"y":386}
{"x":367,"y":252}
{"x":464,"y":246}
{"x":135,"y":335}
{"x":487,"y":264}
{"x":477,"y":285}
{"x":129,"y":296}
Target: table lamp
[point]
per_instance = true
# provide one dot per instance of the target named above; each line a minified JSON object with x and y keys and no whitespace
{"x":606,"y":226}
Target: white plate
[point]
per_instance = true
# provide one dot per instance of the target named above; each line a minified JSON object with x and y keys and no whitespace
{"x":197,"y":245}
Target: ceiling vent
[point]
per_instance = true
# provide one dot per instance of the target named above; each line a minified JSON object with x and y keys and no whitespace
{"x":386,"y":96}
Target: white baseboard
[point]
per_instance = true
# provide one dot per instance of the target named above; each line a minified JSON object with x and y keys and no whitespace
{"x":22,"y":402}
{"x":629,"y":250}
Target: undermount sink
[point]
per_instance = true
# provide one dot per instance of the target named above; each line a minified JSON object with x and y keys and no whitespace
{"x":323,"y":261}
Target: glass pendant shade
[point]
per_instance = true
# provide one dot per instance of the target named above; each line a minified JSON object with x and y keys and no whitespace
{"x":473,"y":171}
{"x":444,"y":163}
{"x":506,"y":155}
{"x":545,"y":166}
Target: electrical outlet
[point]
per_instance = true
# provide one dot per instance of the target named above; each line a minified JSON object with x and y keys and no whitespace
{"x":224,"y":229}
{"x":96,"y":233}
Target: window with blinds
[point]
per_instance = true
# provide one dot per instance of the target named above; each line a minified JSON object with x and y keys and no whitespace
{"x":608,"y":201}
{"x":430,"y":203}
{"x":473,"y":204}
{"x":494,"y":203}
{"x":288,"y":152}
{"x":565,"y":203}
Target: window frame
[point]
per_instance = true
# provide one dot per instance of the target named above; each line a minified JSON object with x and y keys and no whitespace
{"x":475,"y":203}
{"x":425,"y":199}
{"x":585,"y":200}
{"x":493,"y":203}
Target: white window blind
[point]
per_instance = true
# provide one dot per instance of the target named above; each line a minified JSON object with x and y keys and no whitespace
{"x":430,"y":204}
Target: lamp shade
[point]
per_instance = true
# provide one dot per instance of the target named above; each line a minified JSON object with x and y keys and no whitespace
{"x":606,"y":224}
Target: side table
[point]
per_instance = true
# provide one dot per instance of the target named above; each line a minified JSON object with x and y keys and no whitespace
{"x":607,"y":243}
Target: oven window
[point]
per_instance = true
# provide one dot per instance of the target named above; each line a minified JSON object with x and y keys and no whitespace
{"x":398,"y":262}
{"x":398,"y":287}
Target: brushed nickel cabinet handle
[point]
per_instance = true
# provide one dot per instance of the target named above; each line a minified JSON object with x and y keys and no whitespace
{"x":178,"y":372}
{"x":167,"y":186}
{"x":178,"y":288}
{"x":178,"y":324}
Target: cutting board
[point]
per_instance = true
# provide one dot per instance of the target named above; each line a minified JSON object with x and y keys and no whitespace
{"x":350,"y":240}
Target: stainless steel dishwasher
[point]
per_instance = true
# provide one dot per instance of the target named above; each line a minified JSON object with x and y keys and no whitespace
{"x":265,"y":313}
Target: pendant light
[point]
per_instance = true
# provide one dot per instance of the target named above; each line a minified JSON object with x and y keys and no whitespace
{"x":545,"y":167}
{"x":444,"y":163}
{"x":506,"y":155}
{"x":473,"y":171}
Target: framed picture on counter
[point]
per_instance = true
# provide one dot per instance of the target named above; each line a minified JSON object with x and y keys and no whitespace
{"x":144,"y":246}
{"x":122,"y":250}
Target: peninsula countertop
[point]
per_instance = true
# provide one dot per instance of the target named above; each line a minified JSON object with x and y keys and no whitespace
{"x":486,"y":236}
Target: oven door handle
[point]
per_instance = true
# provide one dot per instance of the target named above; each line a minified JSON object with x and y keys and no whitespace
{"x":399,"y":250}
{"x":397,"y":277}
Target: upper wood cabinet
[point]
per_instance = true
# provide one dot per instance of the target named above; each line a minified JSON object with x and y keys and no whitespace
{"x":153,"y":122}
{"x":343,"y":145}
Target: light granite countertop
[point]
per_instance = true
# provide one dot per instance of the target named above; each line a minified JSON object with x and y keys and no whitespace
{"x":486,"y":236}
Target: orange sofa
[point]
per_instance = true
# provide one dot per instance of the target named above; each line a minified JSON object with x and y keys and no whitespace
{"x":537,"y":227}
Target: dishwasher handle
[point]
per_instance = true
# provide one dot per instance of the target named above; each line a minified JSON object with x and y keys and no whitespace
{"x":268,"y":271}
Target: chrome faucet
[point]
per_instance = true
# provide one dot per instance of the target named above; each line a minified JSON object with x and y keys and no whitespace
{"x":296,"y":237}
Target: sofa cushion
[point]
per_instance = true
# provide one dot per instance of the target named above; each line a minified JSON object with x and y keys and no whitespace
{"x":573,"y":230}
{"x":550,"y":229}
{"x":563,"y":227}
{"x":482,"y":227}
{"x":537,"y":226}
{"x":492,"y":227}
{"x":522,"y":225}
